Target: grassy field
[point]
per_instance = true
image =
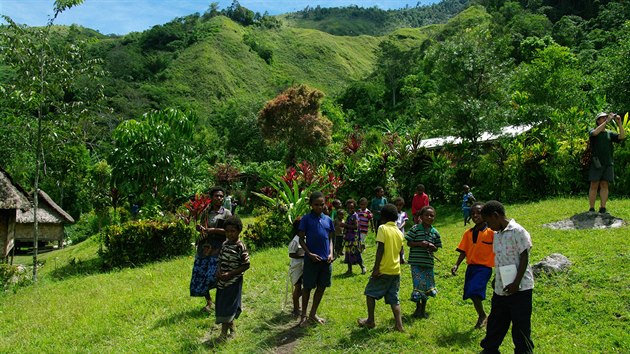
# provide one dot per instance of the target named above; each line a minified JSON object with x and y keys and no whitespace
{"x":74,"y":308}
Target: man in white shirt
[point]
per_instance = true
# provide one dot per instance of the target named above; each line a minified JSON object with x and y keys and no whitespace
{"x":512,"y":299}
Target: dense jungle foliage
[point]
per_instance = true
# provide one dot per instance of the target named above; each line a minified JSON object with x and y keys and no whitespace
{"x":151,"y":118}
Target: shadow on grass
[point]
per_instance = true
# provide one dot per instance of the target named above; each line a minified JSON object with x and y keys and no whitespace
{"x":76,"y":267}
{"x":284,"y":332}
{"x":359,"y":336}
{"x":181,"y":317}
{"x":451,"y":337}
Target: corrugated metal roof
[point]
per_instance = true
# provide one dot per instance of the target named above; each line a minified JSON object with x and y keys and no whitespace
{"x":508,"y":131}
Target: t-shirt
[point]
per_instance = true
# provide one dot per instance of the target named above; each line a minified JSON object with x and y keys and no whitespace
{"x":418,"y":202}
{"x":376,"y":205}
{"x":466,"y":199}
{"x":232,"y":256}
{"x":392,"y":239}
{"x":317,"y":229}
{"x":508,"y":246}
{"x":602,"y":146}
{"x":295,"y":247}
{"x":351,"y":233}
{"x":418,"y":255}
{"x":401,"y":221}
{"x":364,"y":217}
{"x":477,"y":245}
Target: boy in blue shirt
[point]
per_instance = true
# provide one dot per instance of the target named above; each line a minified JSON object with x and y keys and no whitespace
{"x":316,"y":232}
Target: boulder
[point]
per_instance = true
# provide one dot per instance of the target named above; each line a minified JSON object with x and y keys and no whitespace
{"x":551,"y":264}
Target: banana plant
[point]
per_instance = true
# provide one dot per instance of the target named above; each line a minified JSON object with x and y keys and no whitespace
{"x":293,"y":199}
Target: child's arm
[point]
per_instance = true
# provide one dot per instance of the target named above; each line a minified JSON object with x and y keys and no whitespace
{"x":522,"y":266}
{"x":380,"y":250}
{"x":314,"y":257}
{"x":295,"y":255}
{"x":422,"y":244}
{"x":231,"y":274}
{"x":462,"y":256}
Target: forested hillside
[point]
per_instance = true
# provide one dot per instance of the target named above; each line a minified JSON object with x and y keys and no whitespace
{"x":355,"y":20}
{"x":427,"y":72}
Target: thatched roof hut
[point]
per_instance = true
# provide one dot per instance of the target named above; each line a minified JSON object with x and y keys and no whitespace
{"x":12,"y":196}
{"x":12,"y":199}
{"x":49,"y":212}
{"x":51,"y":218}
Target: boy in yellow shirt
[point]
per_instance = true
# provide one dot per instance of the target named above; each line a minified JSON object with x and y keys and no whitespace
{"x":385,"y":278}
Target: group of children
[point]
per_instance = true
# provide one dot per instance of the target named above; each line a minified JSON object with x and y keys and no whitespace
{"x":494,"y":241}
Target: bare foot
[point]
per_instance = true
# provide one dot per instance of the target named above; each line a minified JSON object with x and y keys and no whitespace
{"x":363,"y":322}
{"x":420,"y":314}
{"x":481,"y":322}
{"x":304,"y":322}
{"x":399,"y":329}
{"x":317,"y":320}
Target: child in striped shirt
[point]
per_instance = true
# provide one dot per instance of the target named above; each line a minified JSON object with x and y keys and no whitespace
{"x":423,"y":240}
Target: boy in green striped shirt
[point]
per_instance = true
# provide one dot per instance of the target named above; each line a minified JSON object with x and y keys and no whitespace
{"x":423,"y":240}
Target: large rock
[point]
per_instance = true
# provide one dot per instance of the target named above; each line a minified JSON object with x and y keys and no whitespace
{"x":551,"y":264}
{"x":587,"y":220}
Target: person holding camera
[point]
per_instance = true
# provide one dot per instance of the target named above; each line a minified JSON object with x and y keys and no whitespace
{"x":601,"y":170}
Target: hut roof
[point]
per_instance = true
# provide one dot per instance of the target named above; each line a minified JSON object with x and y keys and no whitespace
{"x":12,"y":196}
{"x":49,"y":212}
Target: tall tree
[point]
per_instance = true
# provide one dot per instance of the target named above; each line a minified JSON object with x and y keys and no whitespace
{"x":294,"y":117}
{"x":154,"y":159}
{"x":469,"y":72}
{"x":49,"y":88}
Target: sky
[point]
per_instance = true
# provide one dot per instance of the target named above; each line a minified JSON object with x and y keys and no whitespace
{"x":124,"y":16}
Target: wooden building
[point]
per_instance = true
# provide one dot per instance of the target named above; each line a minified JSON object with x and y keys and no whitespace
{"x":13,"y":199}
{"x":52,"y":220}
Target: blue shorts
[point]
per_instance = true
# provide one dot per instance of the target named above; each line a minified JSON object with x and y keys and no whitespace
{"x":476,"y":281}
{"x":384,"y":286}
{"x":316,"y":275}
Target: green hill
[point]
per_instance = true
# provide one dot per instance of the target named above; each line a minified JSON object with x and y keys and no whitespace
{"x":226,"y":65}
{"x":354,"y":20}
{"x":226,"y":61}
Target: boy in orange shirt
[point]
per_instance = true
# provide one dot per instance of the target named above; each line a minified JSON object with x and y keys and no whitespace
{"x":476,"y":247}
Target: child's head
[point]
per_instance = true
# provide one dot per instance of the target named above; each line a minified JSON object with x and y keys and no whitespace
{"x":351,"y":205}
{"x":379,"y":191}
{"x":233,"y":227}
{"x":475,"y":213}
{"x":296,"y":225}
{"x":466,"y":188}
{"x":336,"y":204}
{"x":389,"y":213}
{"x":493,"y":212}
{"x":363,"y":203}
{"x":427,"y":215}
{"x":399,"y":202}
{"x":316,"y":202}
{"x":326,"y":210}
{"x":420,"y":188}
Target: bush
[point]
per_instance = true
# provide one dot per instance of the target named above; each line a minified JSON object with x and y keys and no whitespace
{"x":138,"y":242}
{"x":271,"y":229}
{"x":13,"y":276}
{"x":88,"y":224}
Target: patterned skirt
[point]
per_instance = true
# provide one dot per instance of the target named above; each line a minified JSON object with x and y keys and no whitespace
{"x":352,"y":252}
{"x":423,"y":283}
